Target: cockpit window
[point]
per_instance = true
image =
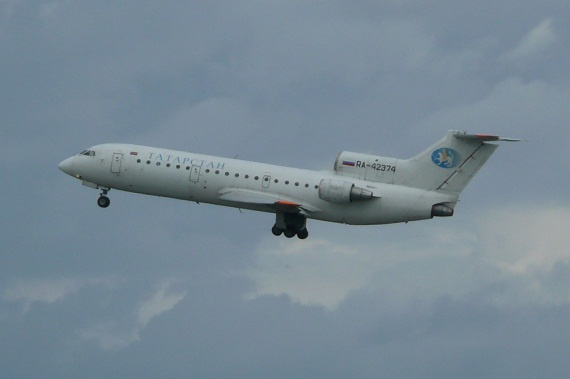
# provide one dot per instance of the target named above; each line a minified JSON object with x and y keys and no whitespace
{"x":89,"y":153}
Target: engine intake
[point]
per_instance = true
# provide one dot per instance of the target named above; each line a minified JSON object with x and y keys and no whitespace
{"x":339,"y":191}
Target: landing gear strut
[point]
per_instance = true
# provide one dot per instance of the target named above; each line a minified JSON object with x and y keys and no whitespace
{"x":103,"y":201}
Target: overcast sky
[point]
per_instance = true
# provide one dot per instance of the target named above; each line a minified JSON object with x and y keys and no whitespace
{"x":155,"y":287}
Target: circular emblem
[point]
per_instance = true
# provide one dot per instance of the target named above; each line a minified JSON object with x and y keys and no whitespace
{"x":445,"y":157}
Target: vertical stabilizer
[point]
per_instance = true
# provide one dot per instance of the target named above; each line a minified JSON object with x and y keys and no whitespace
{"x":448,"y":165}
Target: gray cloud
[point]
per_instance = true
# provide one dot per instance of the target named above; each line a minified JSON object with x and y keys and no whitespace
{"x":156,"y":287}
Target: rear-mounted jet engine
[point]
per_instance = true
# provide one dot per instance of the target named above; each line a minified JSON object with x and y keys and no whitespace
{"x":339,"y":191}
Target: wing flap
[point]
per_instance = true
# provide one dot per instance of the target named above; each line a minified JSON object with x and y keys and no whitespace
{"x":242,"y":196}
{"x":273,"y":200}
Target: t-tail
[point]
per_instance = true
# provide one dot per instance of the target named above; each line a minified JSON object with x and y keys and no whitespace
{"x":448,"y":165}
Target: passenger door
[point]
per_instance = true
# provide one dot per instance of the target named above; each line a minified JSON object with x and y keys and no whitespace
{"x":116,"y":163}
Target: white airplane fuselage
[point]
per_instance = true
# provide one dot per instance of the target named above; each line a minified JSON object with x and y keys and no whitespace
{"x":203,"y":178}
{"x":361,"y":190}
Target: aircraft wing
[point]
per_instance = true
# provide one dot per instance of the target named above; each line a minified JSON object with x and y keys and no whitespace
{"x":272,"y":200}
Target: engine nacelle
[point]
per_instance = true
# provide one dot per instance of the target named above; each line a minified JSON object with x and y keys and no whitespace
{"x":339,"y":191}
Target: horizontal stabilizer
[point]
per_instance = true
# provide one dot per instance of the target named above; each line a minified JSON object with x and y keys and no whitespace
{"x":483,"y":137}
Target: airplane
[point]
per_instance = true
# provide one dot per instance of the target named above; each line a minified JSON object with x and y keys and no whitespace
{"x":361,"y":189}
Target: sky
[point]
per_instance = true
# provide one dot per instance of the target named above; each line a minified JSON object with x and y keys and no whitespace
{"x":154,"y":287}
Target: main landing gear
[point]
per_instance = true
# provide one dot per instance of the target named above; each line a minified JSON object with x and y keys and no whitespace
{"x":290,"y":224}
{"x":103,"y":201}
{"x":290,"y":233}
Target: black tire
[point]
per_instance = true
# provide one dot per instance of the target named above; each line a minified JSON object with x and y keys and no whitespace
{"x":289,"y":233}
{"x":103,"y":201}
{"x":302,"y":234}
{"x":276,"y":231}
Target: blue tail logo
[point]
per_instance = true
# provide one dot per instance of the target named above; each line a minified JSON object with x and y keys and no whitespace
{"x":446,"y":157}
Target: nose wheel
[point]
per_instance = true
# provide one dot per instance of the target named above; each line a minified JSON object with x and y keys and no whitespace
{"x":103,"y":201}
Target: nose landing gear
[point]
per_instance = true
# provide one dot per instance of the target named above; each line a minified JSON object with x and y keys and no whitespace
{"x":103,"y":201}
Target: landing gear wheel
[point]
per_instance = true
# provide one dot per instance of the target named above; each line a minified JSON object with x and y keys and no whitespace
{"x":302,"y":234}
{"x":289,"y":233}
{"x":276,"y":231}
{"x":103,"y":201}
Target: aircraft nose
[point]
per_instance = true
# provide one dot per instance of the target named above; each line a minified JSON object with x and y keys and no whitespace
{"x":66,"y":166}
